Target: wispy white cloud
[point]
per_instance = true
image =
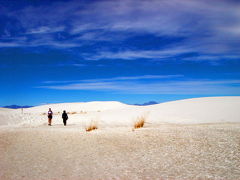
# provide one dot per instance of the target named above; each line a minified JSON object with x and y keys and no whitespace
{"x":162,"y":54}
{"x":212,"y":57}
{"x":122,"y":78}
{"x":39,"y":43}
{"x":137,"y":54}
{"x":9,"y":44}
{"x":45,"y":29}
{"x":216,"y":87}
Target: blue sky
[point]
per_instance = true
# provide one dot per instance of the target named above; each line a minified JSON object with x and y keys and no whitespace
{"x":129,"y":51}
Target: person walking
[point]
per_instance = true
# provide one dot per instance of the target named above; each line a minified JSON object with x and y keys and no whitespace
{"x":64,"y":117}
{"x":50,"y":115}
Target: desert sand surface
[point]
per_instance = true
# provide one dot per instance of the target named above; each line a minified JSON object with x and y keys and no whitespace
{"x":187,"y":139}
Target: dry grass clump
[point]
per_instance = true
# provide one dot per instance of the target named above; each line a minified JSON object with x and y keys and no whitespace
{"x":92,"y":126}
{"x":140,"y":122}
{"x":83,"y":112}
{"x":73,"y":113}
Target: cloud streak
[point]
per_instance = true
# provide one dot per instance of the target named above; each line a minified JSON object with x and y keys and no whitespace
{"x":122,"y":78}
{"x":161,"y":85}
{"x":131,"y":55}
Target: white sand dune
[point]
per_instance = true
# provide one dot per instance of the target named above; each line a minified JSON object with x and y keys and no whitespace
{"x":187,"y":139}
{"x":113,"y":114}
{"x":8,"y":116}
{"x":76,"y":107}
{"x":197,"y":110}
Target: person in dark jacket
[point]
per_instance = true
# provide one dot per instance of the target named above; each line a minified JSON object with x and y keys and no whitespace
{"x":50,"y":115}
{"x":64,"y":117}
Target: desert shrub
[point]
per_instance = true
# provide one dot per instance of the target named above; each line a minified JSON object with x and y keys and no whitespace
{"x":140,"y":122}
{"x":83,"y":112}
{"x":92,"y":126}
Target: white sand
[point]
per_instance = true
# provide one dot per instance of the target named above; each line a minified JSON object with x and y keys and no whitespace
{"x":164,"y":152}
{"x":187,"y":139}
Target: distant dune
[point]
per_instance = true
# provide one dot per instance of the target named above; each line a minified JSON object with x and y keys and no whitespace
{"x":16,"y":107}
{"x":147,"y":103}
{"x":84,"y":106}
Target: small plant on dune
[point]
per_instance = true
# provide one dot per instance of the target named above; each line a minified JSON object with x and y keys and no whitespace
{"x":140,"y":122}
{"x":92,"y":126}
{"x":73,"y":113}
{"x":83,"y":112}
